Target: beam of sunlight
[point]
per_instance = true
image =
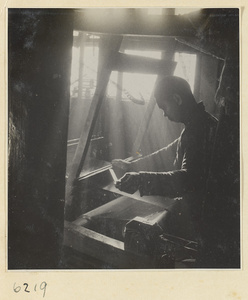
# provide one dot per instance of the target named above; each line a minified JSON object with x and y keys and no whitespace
{"x":140,"y":85}
{"x":119,"y":120}
{"x":186,"y":67}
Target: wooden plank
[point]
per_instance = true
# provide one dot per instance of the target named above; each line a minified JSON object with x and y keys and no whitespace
{"x":81,"y":65}
{"x":95,"y":235}
{"x":164,"y":202}
{"x":155,"y":43}
{"x":111,"y":47}
{"x":144,"y":65}
{"x":131,"y":22}
{"x":103,"y":248}
{"x":209,"y":49}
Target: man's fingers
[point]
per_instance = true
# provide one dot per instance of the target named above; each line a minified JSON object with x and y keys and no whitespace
{"x":121,"y":164}
{"x":128,"y":183}
{"x":118,"y":184}
{"x":123,"y":182}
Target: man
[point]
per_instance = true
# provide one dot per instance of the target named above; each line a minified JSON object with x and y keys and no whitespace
{"x":192,"y":150}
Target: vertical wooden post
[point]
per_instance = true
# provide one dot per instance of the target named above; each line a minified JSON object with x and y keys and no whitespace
{"x":81,"y":65}
{"x":111,"y":45}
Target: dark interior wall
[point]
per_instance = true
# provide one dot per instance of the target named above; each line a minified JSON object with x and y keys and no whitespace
{"x":40,"y":45}
{"x":222,"y":205}
{"x":209,"y":76}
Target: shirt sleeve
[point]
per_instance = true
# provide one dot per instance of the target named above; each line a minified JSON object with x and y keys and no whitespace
{"x":162,"y":159}
{"x":176,"y":183}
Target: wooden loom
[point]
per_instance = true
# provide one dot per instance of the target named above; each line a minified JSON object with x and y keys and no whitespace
{"x":100,"y":233}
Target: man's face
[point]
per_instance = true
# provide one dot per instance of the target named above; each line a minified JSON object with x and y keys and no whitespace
{"x":170,"y":107}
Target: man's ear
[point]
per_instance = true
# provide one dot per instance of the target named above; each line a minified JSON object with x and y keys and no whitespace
{"x":177,"y":98}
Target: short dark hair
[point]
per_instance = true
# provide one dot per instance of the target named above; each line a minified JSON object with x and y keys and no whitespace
{"x":170,"y":85}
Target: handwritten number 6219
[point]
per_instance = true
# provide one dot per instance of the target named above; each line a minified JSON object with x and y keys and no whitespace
{"x":18,"y":288}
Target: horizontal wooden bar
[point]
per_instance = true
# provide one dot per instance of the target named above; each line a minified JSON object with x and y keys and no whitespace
{"x":132,"y":23}
{"x":144,"y":65}
{"x":102,"y":248}
{"x":205,"y":48}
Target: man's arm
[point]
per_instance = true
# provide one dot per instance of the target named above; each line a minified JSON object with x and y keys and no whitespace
{"x":162,"y":159}
{"x":190,"y":177}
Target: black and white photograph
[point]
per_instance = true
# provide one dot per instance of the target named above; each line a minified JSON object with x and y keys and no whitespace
{"x":124,"y":138}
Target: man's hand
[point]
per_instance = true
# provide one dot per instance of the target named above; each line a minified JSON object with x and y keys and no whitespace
{"x":129,"y":183}
{"x":121,"y":164}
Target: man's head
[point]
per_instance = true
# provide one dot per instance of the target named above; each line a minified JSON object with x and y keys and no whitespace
{"x":174,"y":97}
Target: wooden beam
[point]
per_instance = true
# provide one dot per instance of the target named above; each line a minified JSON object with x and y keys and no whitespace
{"x":111,"y":46}
{"x":149,"y":43}
{"x":103,"y":248}
{"x":132,"y":22}
{"x":205,"y":47}
{"x":144,"y":65}
{"x":81,"y":65}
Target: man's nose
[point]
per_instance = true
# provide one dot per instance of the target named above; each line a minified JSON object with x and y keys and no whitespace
{"x":165,"y":114}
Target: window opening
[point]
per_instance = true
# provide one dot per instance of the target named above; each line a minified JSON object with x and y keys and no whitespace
{"x":105,"y":143}
{"x":138,"y":86}
{"x":186,"y":67}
